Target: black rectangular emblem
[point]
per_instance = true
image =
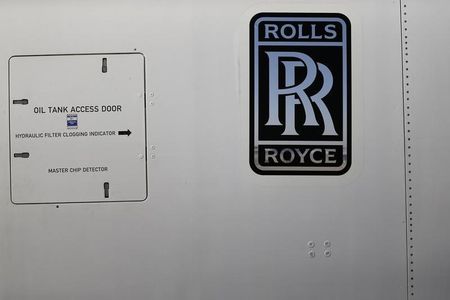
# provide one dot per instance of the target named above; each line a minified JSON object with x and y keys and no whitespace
{"x":300,"y":90}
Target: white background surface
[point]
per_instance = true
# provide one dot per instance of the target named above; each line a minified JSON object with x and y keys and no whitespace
{"x":211,"y":228}
{"x":428,"y":43}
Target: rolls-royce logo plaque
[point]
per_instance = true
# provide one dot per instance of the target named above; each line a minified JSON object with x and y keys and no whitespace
{"x":300,"y":89}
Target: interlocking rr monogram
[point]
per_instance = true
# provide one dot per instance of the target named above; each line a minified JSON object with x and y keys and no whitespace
{"x":296,"y":94}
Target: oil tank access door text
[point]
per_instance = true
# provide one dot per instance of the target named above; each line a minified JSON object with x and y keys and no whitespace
{"x":77,"y":128}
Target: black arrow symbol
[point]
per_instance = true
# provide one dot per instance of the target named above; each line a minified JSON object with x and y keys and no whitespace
{"x":125,"y":132}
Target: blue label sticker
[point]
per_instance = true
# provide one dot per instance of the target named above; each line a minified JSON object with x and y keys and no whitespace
{"x":72,"y":121}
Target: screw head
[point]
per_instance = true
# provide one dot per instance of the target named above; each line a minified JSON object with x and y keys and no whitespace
{"x":311,"y":244}
{"x":312,"y":254}
{"x":327,"y":253}
{"x":327,"y":244}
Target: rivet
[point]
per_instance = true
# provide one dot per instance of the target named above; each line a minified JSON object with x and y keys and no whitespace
{"x":152,"y":94}
{"x":153,"y":156}
{"x":140,"y":156}
{"x":153,"y":147}
{"x":151,"y":103}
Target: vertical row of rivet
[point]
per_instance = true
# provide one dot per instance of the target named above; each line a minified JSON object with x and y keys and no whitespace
{"x":408,"y":147}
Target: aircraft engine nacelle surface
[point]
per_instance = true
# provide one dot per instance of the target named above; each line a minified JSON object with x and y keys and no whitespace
{"x":224,"y":150}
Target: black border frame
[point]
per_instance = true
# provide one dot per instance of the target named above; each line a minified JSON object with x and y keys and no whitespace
{"x":252,"y":97}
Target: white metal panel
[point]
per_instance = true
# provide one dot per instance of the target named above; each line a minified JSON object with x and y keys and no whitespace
{"x":426,"y":47}
{"x":72,"y":162}
{"x":212,"y":228}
